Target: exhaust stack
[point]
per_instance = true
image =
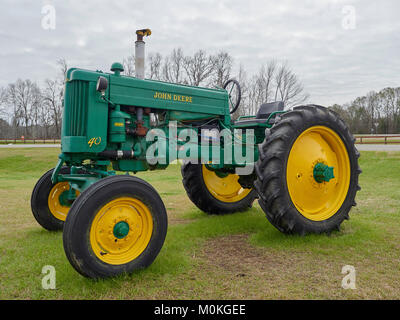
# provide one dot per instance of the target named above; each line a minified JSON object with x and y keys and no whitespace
{"x":139,"y":52}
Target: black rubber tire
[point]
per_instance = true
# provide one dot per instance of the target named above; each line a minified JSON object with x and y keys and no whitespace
{"x":79,"y":220}
{"x":198,"y":193}
{"x":39,"y":202}
{"x":270,"y":169}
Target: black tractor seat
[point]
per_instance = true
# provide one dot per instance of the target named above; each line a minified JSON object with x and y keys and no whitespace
{"x":263,"y":113}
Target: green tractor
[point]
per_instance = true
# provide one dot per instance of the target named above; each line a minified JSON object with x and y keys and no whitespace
{"x":301,"y":164}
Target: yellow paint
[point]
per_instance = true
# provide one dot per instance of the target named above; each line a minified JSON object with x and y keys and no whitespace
{"x":226,"y":189}
{"x":174,"y":97}
{"x":56,"y":208}
{"x":115,"y":251}
{"x":318,"y":201}
{"x":95,"y":141}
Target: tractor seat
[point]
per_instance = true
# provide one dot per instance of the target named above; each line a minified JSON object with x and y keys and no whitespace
{"x":263,"y":113}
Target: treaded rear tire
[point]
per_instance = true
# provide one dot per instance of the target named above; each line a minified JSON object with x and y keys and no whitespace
{"x":271,"y":166}
{"x":198,"y":193}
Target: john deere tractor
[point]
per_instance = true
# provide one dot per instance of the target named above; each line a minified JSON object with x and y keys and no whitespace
{"x":300,"y":164}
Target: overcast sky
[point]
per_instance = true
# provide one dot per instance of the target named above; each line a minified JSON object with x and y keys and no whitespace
{"x":337,"y":56}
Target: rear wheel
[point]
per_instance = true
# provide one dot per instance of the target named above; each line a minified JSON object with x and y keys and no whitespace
{"x":49,"y":202}
{"x":117,"y":225}
{"x":214,"y":192}
{"x":307,"y":171}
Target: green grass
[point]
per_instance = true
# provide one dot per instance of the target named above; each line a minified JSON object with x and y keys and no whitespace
{"x":238,"y":256}
{"x":30,"y":141}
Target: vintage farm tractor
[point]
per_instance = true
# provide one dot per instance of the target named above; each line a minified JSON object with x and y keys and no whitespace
{"x":301,"y":164}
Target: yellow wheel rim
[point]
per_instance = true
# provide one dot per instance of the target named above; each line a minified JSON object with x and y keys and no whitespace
{"x":120,"y":248}
{"x":225,"y":189}
{"x":318,"y":201}
{"x":57,"y":208}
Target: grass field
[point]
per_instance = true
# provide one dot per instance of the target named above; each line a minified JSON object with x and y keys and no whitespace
{"x":37,"y":141}
{"x":239,"y":256}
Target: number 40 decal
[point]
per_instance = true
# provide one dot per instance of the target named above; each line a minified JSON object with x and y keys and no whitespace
{"x":95,"y":141}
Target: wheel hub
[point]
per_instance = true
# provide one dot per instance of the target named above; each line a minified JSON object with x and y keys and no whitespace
{"x":59,"y":200}
{"x":323,"y":172}
{"x":64,"y":199}
{"x":121,"y":230}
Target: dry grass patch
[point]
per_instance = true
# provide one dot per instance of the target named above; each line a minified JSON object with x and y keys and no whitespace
{"x":238,"y":270}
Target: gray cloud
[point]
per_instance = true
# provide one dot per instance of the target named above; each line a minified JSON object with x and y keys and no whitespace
{"x":335,"y":65}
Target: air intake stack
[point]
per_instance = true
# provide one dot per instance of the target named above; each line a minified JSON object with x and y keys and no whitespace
{"x":139,"y":52}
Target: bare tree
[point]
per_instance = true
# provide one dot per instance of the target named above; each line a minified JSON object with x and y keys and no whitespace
{"x":372,"y":109}
{"x":261,"y":86}
{"x":50,"y":119}
{"x":23,"y":96}
{"x":290,"y":89}
{"x":62,"y":63}
{"x":198,"y":68}
{"x":129,"y":65}
{"x":172,"y":70}
{"x":52,"y":103}
{"x":275,"y":82}
{"x":222,"y":68}
{"x":155,"y":61}
{"x":245,"y":89}
{"x":3,"y":102}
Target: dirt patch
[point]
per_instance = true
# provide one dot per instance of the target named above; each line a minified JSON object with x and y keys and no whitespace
{"x":238,"y":270}
{"x":173,"y":221}
{"x":235,"y":255}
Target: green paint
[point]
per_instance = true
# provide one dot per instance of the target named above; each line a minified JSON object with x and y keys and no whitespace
{"x":117,"y":68}
{"x":63,"y":199}
{"x":121,"y":230}
{"x":322,"y":172}
{"x":93,"y":123}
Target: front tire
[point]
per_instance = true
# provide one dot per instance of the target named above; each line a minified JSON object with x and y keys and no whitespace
{"x":307,"y":171}
{"x":117,"y":225}
{"x":47,"y":208}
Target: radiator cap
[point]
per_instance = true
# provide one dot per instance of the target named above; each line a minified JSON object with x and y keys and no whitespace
{"x":117,"y":68}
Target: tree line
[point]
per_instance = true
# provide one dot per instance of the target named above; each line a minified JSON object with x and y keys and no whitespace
{"x":34,"y":111}
{"x":374,"y":113}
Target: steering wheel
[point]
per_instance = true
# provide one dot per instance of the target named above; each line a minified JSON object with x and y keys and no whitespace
{"x":235,"y":94}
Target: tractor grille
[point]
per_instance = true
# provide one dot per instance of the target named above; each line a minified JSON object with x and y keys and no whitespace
{"x":77,"y":104}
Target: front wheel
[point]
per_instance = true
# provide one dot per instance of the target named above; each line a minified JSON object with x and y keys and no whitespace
{"x":307,"y":171}
{"x":117,"y":225}
{"x":49,"y":201}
